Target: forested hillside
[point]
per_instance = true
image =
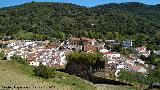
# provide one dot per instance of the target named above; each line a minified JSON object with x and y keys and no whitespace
{"x":41,"y":21}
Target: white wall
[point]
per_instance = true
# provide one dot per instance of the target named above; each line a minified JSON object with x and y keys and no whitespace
{"x":34,"y":63}
{"x":104,"y":50}
{"x":110,"y":56}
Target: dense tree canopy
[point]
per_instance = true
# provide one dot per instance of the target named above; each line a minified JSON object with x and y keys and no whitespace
{"x":84,"y":58}
{"x":157,"y":36}
{"x":50,"y":20}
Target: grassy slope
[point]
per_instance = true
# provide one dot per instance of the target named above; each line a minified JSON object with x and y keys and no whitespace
{"x":15,"y":74}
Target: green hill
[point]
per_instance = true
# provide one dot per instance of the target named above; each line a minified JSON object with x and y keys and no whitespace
{"x":15,"y":74}
{"x":48,"y":20}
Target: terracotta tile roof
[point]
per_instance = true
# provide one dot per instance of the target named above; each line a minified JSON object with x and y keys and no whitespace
{"x":136,"y":68}
{"x":89,"y":48}
{"x":88,"y":39}
{"x":18,"y":52}
{"x":75,"y":39}
{"x":6,"y":42}
{"x":141,"y":48}
{"x":7,"y":49}
{"x":30,"y":59}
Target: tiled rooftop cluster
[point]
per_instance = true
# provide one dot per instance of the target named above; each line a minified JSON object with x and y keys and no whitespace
{"x":36,"y":52}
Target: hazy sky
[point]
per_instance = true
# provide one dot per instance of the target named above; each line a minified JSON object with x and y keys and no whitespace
{"x":89,"y":3}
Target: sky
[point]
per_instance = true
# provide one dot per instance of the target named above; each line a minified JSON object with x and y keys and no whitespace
{"x":88,"y":3}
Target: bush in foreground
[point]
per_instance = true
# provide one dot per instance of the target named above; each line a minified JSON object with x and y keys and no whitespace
{"x":44,"y":71}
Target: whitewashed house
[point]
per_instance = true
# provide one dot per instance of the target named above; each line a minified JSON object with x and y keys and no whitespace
{"x":62,"y":58}
{"x":77,"y":47}
{"x":104,"y":50}
{"x":11,"y":44}
{"x":34,"y":63}
{"x":44,"y":63}
{"x":112,"y":55}
{"x":140,"y":61}
{"x":110,"y":41}
{"x":110,"y":61}
{"x":117,"y":73}
{"x":9,"y":55}
{"x":142,"y":51}
{"x":120,"y":66}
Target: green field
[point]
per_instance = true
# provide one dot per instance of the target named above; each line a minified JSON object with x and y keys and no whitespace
{"x":14,"y":74}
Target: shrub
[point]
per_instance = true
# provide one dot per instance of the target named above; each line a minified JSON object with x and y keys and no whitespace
{"x":1,"y":55}
{"x":19,"y":59}
{"x":44,"y":71}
